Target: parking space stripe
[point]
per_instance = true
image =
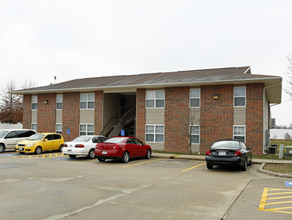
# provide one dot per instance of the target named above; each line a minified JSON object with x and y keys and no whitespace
{"x":136,"y":164}
{"x":193,"y":167}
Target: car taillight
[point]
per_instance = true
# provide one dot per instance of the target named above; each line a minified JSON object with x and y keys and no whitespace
{"x":65,"y":145}
{"x":79,"y":145}
{"x":208,"y":152}
{"x":237,"y":153}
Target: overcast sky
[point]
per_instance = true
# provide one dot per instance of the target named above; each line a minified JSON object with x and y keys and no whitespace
{"x":88,"y":38}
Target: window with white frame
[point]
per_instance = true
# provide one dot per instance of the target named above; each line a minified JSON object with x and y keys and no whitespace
{"x":195,"y":134}
{"x":59,"y":101}
{"x":86,"y":129}
{"x":155,"y":133}
{"x":239,"y":132}
{"x":34,"y":102}
{"x":195,"y":98}
{"x":155,"y":99}
{"x":240,"y":96}
{"x":59,"y":128}
{"x":86,"y":100}
{"x":34,"y":126}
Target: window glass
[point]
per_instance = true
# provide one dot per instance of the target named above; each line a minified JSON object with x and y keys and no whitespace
{"x":87,"y":100}
{"x":34,"y":102}
{"x":155,"y":99}
{"x":59,"y":128}
{"x":195,"y":134}
{"x":34,"y":127}
{"x":24,"y":133}
{"x":3,"y":133}
{"x":11,"y":134}
{"x":194,"y":97}
{"x":56,"y":136}
{"x":160,"y":94}
{"x":239,"y":133}
{"x":155,"y":133}
{"x":239,"y":96}
{"x":59,"y":101}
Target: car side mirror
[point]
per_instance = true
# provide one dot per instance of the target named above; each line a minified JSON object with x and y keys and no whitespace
{"x":45,"y":140}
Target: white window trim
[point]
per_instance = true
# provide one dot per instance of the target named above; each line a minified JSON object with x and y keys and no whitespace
{"x":61,"y":128}
{"x":155,"y":133}
{"x":199,"y":98}
{"x":239,"y":97}
{"x":87,"y":101}
{"x":86,"y":126}
{"x":36,"y":126}
{"x":154,"y":99}
{"x":35,"y":109}
{"x":199,"y":133}
{"x":240,"y":135}
{"x":59,"y":102}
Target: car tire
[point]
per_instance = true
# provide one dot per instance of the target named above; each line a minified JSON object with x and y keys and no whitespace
{"x":209,"y":166}
{"x":101,"y":159}
{"x":244,"y":167}
{"x":148,"y":154}
{"x":91,"y":154}
{"x":126,"y":157}
{"x":60,"y":148}
{"x":249,"y":163}
{"x":2,"y":148}
{"x":38,"y":150}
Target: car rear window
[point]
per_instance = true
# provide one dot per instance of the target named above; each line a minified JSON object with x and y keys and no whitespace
{"x":225,"y":145}
{"x":115,"y":140}
{"x":82,"y":139}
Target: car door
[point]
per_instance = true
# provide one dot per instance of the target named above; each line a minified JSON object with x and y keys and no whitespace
{"x":47,"y":142}
{"x":141,"y":151}
{"x":132,"y":148}
{"x":11,"y":140}
{"x":248,"y":153}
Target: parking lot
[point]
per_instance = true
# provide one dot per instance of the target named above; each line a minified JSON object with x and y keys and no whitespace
{"x":53,"y":186}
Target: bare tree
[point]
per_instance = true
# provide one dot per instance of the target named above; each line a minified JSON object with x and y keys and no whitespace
{"x":288,"y":85}
{"x":11,"y":105}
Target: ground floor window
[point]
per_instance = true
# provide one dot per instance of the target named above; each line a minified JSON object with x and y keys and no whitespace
{"x":239,"y":132}
{"x":34,"y":126}
{"x":195,"y":134}
{"x":155,"y":133}
{"x":86,"y":129}
{"x":59,"y":128}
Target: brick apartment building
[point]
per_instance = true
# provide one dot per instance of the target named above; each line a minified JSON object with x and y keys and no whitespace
{"x":162,"y":109}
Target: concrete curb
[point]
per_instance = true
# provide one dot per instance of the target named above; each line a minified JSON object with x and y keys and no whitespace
{"x":261,"y":170}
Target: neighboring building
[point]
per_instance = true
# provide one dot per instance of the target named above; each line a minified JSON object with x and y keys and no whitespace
{"x":160,"y":108}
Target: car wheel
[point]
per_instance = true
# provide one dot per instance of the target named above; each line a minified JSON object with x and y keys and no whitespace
{"x":250,"y":162}
{"x":148,"y":155}
{"x":244,"y":167}
{"x":209,"y":166}
{"x":126,"y":157}
{"x":60,"y":148}
{"x":72,"y":156}
{"x":100,"y":159}
{"x":38,"y":150}
{"x":2,"y":148}
{"x":91,"y":154}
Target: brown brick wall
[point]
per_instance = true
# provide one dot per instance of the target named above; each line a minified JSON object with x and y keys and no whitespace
{"x":176,"y":119}
{"x":26,"y":111}
{"x":46,"y":113}
{"x":71,"y":114}
{"x":98,"y":112}
{"x":254,"y":117}
{"x":216,"y":116}
{"x":140,"y":114}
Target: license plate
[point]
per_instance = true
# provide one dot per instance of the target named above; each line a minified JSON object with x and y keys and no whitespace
{"x":103,"y":152}
{"x":20,"y":148}
{"x":69,"y":150}
{"x":222,"y":153}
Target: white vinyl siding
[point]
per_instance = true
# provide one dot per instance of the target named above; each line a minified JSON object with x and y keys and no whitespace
{"x":155,"y":99}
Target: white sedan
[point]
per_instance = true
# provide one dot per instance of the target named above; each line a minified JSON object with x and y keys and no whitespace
{"x":82,"y":146}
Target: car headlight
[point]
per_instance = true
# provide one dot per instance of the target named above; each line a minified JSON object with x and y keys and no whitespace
{"x":29,"y":145}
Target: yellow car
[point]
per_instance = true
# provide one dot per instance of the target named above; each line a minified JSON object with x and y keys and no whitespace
{"x":41,"y":142}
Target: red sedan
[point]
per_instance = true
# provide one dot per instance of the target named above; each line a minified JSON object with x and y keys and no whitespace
{"x":122,"y":148}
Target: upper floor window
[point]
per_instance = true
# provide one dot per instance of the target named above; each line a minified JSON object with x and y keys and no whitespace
{"x":239,"y":132}
{"x":87,"y":100}
{"x":59,"y":101}
{"x":155,"y":99}
{"x":195,"y":98}
{"x":34,"y":126}
{"x":240,"y":96}
{"x":34,"y":102}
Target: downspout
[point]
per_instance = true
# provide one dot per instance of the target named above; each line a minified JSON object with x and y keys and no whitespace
{"x":264,"y":100}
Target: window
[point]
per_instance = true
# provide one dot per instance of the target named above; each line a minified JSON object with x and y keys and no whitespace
{"x":155,"y":99}
{"x":59,"y":128}
{"x":239,"y":96}
{"x":155,"y":133}
{"x":195,"y":134}
{"x":86,"y":129}
{"x":34,"y":127}
{"x":11,"y":134}
{"x":86,"y":100}
{"x":239,"y":132}
{"x":195,"y":98}
{"x":24,"y":133}
{"x":59,"y":101}
{"x":34,"y":102}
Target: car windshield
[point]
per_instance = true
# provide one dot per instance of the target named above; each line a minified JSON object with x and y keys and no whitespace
{"x":82,"y":139}
{"x":3,"y":133}
{"x":225,"y":145}
{"x":36,"y":137}
{"x":115,"y":140}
